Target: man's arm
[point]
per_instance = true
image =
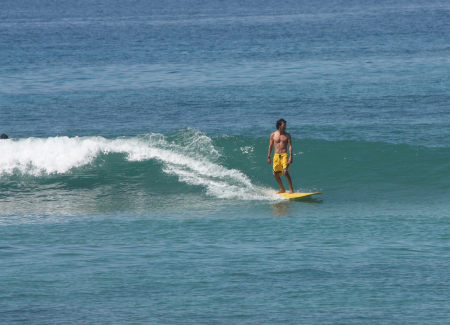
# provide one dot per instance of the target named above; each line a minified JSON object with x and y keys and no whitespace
{"x":270,"y":149}
{"x":291,"y":160}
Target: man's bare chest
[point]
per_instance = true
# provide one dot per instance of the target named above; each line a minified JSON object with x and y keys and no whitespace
{"x":280,"y":138}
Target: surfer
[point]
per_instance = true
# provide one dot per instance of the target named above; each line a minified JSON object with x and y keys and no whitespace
{"x":280,"y":159}
{"x":4,"y":136}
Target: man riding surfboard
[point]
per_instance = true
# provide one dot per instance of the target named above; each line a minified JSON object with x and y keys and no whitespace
{"x":281,"y":162}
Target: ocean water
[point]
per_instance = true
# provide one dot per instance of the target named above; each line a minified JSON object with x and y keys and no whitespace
{"x":134,"y":186}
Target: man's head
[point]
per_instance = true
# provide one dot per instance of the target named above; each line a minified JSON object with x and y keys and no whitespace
{"x":280,"y":122}
{"x":4,"y":136}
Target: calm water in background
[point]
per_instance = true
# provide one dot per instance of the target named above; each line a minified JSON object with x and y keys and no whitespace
{"x":134,"y":187}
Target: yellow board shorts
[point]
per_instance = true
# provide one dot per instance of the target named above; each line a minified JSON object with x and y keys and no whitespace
{"x":280,"y":163}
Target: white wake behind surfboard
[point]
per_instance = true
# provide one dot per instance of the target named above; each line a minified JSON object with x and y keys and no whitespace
{"x":297,"y":195}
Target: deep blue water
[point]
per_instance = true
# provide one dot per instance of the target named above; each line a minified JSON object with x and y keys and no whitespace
{"x":134,"y":187}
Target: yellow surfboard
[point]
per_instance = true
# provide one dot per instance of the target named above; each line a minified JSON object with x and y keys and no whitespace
{"x":297,"y":195}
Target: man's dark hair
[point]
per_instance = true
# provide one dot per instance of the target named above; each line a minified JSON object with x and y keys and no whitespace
{"x":279,"y":122}
{"x":4,"y":136}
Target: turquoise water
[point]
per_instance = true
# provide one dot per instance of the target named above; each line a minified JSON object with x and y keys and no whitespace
{"x":134,"y":186}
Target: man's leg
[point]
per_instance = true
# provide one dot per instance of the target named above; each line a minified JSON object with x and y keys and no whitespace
{"x":277,"y":177}
{"x":288,"y":177}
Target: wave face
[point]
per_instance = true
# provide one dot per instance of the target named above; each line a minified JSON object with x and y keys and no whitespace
{"x":189,"y":169}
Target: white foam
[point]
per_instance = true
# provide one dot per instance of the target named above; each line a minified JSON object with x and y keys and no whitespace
{"x":230,"y":188}
{"x":36,"y":156}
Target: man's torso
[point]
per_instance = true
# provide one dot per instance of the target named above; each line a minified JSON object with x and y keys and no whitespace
{"x":281,"y":142}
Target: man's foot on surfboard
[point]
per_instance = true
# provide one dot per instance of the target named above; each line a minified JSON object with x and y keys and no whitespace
{"x":281,"y":191}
